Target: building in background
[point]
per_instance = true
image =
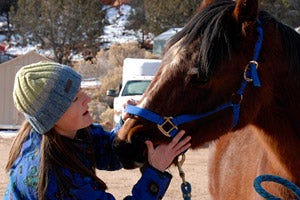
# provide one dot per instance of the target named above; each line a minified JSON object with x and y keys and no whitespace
{"x":10,"y":118}
{"x":161,"y":40}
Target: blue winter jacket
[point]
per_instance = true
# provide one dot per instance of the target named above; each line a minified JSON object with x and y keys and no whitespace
{"x":23,"y":176}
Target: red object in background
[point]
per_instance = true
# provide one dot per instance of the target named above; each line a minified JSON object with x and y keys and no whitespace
{"x":2,"y":47}
{"x":115,"y":3}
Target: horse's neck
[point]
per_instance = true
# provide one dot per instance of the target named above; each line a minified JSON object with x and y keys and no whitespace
{"x":282,"y":142}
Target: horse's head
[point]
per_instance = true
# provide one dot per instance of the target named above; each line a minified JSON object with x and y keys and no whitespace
{"x":208,"y":68}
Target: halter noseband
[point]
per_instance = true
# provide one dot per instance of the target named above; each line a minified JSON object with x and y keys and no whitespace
{"x":169,"y":125}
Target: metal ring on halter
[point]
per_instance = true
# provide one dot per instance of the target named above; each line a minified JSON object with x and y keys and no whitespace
{"x":236,"y":98}
{"x":247,"y":68}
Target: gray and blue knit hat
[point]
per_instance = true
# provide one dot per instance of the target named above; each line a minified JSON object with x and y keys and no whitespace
{"x":43,"y":92}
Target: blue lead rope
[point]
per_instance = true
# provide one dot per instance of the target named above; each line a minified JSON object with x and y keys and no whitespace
{"x":186,"y":190}
{"x":277,"y":179}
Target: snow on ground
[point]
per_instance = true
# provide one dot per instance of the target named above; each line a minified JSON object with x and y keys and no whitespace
{"x":115,"y":32}
{"x":90,"y":82}
{"x":7,"y":133}
{"x":2,"y":37}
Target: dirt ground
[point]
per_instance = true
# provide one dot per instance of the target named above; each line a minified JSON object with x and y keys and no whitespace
{"x":120,"y":182}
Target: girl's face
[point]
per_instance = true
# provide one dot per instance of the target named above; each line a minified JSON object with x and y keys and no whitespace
{"x":76,"y":117}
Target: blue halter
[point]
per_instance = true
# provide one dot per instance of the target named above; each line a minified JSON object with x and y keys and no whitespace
{"x":169,"y":125}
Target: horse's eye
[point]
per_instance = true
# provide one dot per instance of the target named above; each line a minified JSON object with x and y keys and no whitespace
{"x":197,"y":79}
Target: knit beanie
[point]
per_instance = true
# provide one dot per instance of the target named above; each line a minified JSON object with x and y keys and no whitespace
{"x":43,"y":92}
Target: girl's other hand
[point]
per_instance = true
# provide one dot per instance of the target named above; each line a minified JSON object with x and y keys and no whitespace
{"x":163,"y":155}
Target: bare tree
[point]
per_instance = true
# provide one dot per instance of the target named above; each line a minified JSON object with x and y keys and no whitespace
{"x":66,"y":26}
{"x":5,"y":7}
{"x":287,"y":11}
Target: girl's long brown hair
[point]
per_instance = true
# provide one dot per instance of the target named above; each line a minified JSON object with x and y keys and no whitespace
{"x":58,"y":152}
{"x":17,"y":144}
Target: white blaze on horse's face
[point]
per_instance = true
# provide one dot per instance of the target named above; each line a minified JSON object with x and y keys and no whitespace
{"x":173,"y":56}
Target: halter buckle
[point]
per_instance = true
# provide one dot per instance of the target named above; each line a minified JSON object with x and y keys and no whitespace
{"x":167,"y":126}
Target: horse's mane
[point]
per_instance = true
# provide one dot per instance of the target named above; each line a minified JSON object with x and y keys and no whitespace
{"x":219,"y":38}
{"x":290,"y":40}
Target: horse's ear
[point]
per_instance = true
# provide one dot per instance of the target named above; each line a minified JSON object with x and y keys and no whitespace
{"x":246,"y":11}
{"x":205,"y":3}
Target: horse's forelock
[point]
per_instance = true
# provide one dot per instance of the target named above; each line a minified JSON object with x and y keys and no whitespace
{"x":205,"y":40}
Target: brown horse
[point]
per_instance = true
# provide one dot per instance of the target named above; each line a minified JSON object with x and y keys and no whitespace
{"x":231,"y":77}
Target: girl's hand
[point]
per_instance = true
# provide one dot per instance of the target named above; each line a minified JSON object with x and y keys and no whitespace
{"x":124,"y":114}
{"x":163,"y":155}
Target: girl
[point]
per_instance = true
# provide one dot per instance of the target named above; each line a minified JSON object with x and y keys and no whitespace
{"x":57,"y":149}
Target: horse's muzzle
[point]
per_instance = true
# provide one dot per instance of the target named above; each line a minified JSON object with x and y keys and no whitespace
{"x":131,"y":155}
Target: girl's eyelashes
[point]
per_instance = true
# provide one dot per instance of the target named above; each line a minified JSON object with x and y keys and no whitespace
{"x":75,"y":98}
{"x":77,"y":95}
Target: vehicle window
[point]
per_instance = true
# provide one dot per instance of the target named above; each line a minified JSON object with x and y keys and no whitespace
{"x":135,"y":87}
